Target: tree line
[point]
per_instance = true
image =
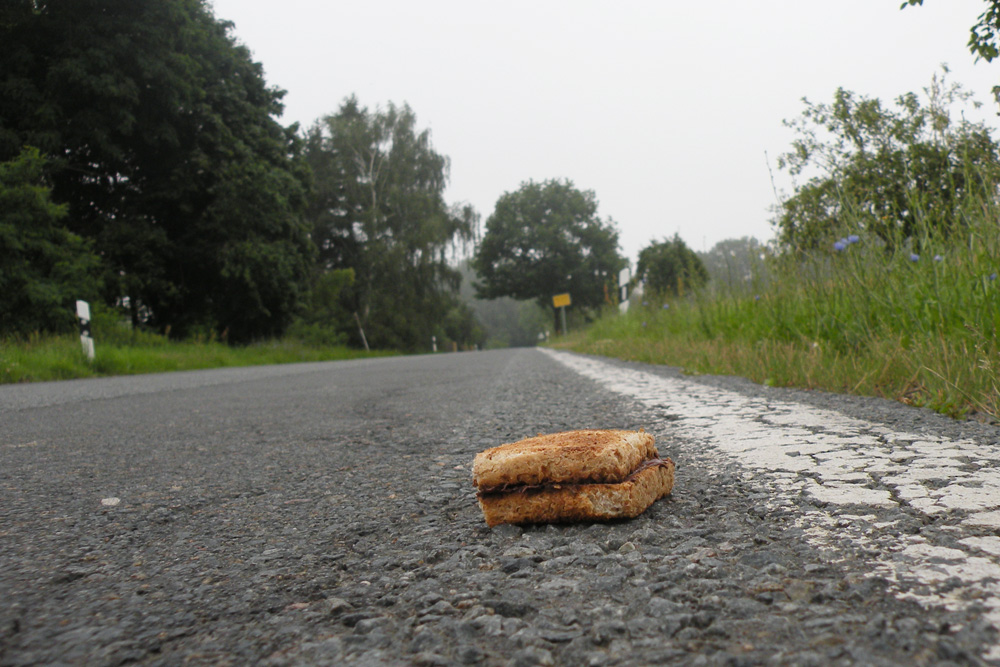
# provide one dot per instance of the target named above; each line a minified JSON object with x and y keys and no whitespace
{"x":182,"y":196}
{"x":142,"y":166}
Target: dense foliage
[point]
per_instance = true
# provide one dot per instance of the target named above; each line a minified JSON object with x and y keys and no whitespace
{"x":669,"y":267}
{"x":43,"y":266}
{"x":546,"y":239}
{"x":379,"y":211}
{"x":882,"y":168}
{"x":164,"y":147}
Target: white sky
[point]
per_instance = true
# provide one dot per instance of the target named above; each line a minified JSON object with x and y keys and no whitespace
{"x":664,"y":108}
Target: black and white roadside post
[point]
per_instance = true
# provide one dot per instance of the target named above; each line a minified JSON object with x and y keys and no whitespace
{"x":560,"y":301}
{"x":624,"y":276}
{"x":434,"y":343}
{"x":86,"y":339}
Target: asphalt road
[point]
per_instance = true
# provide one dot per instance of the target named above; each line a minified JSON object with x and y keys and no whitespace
{"x":324,"y":514}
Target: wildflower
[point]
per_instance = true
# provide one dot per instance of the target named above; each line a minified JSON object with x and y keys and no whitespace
{"x":840,"y":246}
{"x":645,"y":303}
{"x":644,"y":324}
{"x":914,"y":257}
{"x":993,"y":276}
{"x":853,"y":238}
{"x":938,"y":258}
{"x":757,"y":296}
{"x":666,"y":306}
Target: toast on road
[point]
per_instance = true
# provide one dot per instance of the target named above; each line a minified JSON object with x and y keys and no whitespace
{"x":571,"y":476}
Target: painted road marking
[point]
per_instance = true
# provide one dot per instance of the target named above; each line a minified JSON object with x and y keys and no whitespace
{"x":842,"y":462}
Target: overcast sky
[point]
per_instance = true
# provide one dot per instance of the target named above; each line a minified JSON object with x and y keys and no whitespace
{"x":664,"y":108}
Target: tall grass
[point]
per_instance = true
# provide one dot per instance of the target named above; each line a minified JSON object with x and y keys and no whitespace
{"x":914,"y":319}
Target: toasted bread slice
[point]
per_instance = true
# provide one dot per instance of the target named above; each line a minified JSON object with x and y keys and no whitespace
{"x":580,"y":502}
{"x":599,"y":456}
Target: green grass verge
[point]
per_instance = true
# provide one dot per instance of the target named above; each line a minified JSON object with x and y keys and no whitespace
{"x":41,"y":358}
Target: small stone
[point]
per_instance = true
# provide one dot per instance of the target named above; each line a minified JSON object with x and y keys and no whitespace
{"x":606,"y":631}
{"x":582,"y":548}
{"x":519,"y":551}
{"x":531,"y":656}
{"x":428,"y":599}
{"x":510,"y":565}
{"x":507,"y":530}
{"x":337,"y":605}
{"x":470,"y":655}
{"x":442,"y":607}
{"x":425,"y":659}
{"x":367,"y":625}
{"x":425,"y":640}
{"x":491,"y":626}
{"x":661,"y":607}
{"x":512,"y":607}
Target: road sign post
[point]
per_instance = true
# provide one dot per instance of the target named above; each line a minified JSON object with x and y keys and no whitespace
{"x":624,"y":276}
{"x":560,"y":301}
{"x":86,"y":339}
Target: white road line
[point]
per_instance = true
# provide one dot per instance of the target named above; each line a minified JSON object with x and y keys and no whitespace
{"x":842,"y":462}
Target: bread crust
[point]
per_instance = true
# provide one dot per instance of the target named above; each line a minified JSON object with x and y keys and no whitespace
{"x":580,"y":502}
{"x":599,"y":456}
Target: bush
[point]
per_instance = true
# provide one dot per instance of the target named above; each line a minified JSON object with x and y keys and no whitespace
{"x":316,"y":334}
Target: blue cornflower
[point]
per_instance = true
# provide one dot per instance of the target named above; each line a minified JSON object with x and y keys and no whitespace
{"x":993,"y":276}
{"x":756,"y":297}
{"x":938,"y":258}
{"x":645,"y":303}
{"x":840,"y":246}
{"x":643,"y":324}
{"x":914,"y":257}
{"x":666,"y":306}
{"x":853,"y":238}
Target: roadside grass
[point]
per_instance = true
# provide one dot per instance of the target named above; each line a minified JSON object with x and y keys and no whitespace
{"x":39,"y":357}
{"x":914,"y":320}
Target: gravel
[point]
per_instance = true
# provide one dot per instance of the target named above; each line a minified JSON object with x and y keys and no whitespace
{"x":327,"y":516}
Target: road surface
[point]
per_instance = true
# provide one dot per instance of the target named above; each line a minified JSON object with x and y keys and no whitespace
{"x":324,"y":514}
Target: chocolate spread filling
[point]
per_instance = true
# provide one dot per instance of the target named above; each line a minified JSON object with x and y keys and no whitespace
{"x":525,"y":488}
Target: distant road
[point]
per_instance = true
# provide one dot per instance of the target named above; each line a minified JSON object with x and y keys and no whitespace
{"x":323,"y":513}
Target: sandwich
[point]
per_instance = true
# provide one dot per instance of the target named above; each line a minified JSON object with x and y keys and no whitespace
{"x":583,"y":475}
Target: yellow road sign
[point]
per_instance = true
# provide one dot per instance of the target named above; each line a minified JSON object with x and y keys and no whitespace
{"x":560,"y":300}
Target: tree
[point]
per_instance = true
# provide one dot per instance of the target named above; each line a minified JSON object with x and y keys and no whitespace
{"x":461,"y":326}
{"x":984,"y":36}
{"x":669,"y":267}
{"x":736,"y":263}
{"x":379,"y":209}
{"x":43,"y":266}
{"x":321,"y":323}
{"x":167,"y":152}
{"x":505,"y":321}
{"x":546,"y":239}
{"x":883,"y":167}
